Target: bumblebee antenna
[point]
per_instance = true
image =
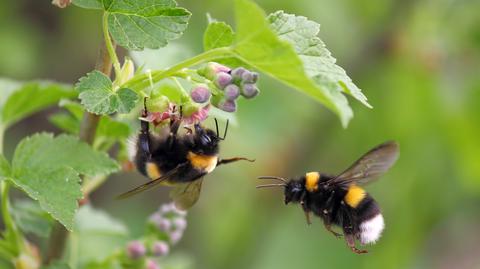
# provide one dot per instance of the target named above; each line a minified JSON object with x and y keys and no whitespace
{"x":270,"y":185}
{"x":226,"y":128}
{"x":216,"y":126}
{"x":272,"y":177}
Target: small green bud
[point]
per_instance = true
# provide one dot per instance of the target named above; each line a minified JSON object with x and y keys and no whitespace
{"x":127,"y":71}
{"x":158,"y":103}
{"x":189,"y":108}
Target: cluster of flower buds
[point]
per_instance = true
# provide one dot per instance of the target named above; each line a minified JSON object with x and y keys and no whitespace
{"x":170,"y":221}
{"x":165,"y":228}
{"x":229,"y":84}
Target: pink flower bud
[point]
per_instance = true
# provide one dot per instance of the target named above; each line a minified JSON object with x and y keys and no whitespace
{"x":136,"y":250}
{"x":238,"y":72}
{"x":249,"y":77}
{"x":179,"y":223}
{"x":222,"y":79}
{"x":160,"y":248}
{"x":232,"y":92}
{"x":212,"y":69}
{"x":200,"y":94}
{"x":151,"y":264}
{"x":167,"y":208}
{"x":164,"y":225}
{"x":249,"y":90}
{"x":175,"y":236}
{"x":228,"y":106}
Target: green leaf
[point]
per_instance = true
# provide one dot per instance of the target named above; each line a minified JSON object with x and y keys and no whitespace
{"x":99,"y":101}
{"x":89,"y":4}
{"x":5,"y":170}
{"x":57,"y":190}
{"x":139,"y":24}
{"x":47,"y":168}
{"x":94,"y":80}
{"x":30,"y":98}
{"x":98,"y":96}
{"x":7,"y":87}
{"x":90,"y":220}
{"x":126,"y":100}
{"x":109,"y":128}
{"x":217,"y":34}
{"x":94,"y":227}
{"x":31,"y":218}
{"x":65,"y":122}
{"x":75,"y":108}
{"x":318,"y":61}
{"x":70,"y":122}
{"x":259,"y":46}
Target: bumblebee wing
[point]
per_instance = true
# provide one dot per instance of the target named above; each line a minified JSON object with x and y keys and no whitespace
{"x":370,"y":166}
{"x":151,"y":183}
{"x":185,"y":195}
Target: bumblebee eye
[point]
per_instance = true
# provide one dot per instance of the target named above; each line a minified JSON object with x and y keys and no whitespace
{"x":205,"y":139}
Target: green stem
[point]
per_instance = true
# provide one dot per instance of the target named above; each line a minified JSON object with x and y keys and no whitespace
{"x":142,"y":81}
{"x":10,"y":227}
{"x":7,"y":219}
{"x":2,"y":130}
{"x":109,"y":45}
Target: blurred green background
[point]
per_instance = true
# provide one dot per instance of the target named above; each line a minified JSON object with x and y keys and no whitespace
{"x":418,"y":63}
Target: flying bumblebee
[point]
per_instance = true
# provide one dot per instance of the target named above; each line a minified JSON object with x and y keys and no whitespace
{"x":339,"y":200}
{"x":178,"y":160}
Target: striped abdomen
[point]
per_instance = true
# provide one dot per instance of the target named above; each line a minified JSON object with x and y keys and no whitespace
{"x":368,"y":220}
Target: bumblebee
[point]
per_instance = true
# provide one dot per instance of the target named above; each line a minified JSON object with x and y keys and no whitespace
{"x":178,"y":160}
{"x":339,"y":200}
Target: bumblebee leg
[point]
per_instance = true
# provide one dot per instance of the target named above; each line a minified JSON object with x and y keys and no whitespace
{"x":174,"y":126}
{"x":348,"y":231}
{"x":307,"y":217}
{"x":303,"y":203}
{"x":350,"y":239}
{"x":144,"y":136}
{"x":235,"y":159}
{"x":328,"y":226}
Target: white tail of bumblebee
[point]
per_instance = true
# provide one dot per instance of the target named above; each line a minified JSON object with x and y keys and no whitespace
{"x":371,"y":229}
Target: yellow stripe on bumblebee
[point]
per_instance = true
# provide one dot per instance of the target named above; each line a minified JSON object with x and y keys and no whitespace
{"x":202,"y":162}
{"x":152,"y":170}
{"x":354,"y":196}
{"x":311,"y":181}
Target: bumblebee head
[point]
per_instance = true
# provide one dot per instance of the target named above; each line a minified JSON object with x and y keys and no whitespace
{"x":205,"y":141}
{"x":292,"y":189}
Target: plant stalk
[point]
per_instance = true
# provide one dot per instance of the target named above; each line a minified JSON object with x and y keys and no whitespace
{"x":143,"y":81}
{"x":88,"y":128}
{"x":110,"y":46}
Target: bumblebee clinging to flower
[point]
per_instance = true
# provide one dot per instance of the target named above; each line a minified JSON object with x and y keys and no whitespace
{"x":339,"y":200}
{"x":178,"y":160}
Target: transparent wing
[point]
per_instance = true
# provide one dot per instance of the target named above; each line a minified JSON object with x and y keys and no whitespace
{"x":151,"y":183}
{"x":370,"y":166}
{"x":185,"y":195}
